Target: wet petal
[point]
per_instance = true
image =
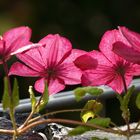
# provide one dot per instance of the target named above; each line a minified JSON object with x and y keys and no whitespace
{"x":22,"y":70}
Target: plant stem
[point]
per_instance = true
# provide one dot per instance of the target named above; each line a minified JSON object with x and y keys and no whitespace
{"x":54,"y":112}
{"x":32,"y":112}
{"x":68,"y":122}
{"x":10,"y":95}
{"x":138,"y":124}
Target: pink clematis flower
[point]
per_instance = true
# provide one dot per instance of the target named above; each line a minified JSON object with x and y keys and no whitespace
{"x":52,"y":62}
{"x":131,"y":51}
{"x":111,"y":70}
{"x":14,"y":41}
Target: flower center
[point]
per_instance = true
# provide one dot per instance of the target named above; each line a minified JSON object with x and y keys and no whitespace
{"x":121,"y":68}
{"x":51,"y":72}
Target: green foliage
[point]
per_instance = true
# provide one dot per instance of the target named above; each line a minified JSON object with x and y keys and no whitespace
{"x":32,"y":98}
{"x":104,"y":122}
{"x":10,"y":101}
{"x":124,"y":102}
{"x":44,"y":99}
{"x":138,"y":101}
{"x":15,"y":94}
{"x":6,"y":99}
{"x":91,"y":108}
{"x":80,"y":92}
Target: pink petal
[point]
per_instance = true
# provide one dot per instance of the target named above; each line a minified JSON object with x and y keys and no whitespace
{"x":85,"y":62}
{"x":57,"y":49}
{"x":1,"y":47}
{"x":101,"y":58}
{"x":33,"y":59}
{"x":70,"y":74}
{"x":117,"y":83}
{"x":106,"y":44}
{"x":100,"y":76}
{"x":22,"y":70}
{"x":25,"y":48}
{"x":54,"y":87}
{"x":75,"y":53}
{"x":16,"y":38}
{"x":132,"y":37}
{"x":135,"y":70}
{"x":127,"y":52}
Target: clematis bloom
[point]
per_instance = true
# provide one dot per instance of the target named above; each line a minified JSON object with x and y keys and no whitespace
{"x":131,"y":51}
{"x":111,"y":70}
{"x":52,"y":62}
{"x":15,"y":41}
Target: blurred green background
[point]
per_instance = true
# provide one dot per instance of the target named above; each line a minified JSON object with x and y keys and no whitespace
{"x":82,"y":21}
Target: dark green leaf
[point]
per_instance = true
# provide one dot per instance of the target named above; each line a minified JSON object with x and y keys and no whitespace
{"x":79,"y":130}
{"x":15,"y":94}
{"x":138,"y":101}
{"x":80,"y":92}
{"x":126,"y":98}
{"x":32,"y":98}
{"x":44,"y":98}
{"x":104,"y":122}
{"x":6,"y":99}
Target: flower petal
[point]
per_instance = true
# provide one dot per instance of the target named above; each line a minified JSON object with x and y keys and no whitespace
{"x":16,"y":38}
{"x":127,"y":52}
{"x":75,"y":53}
{"x":118,"y":85}
{"x":33,"y":59}
{"x":106,"y":44}
{"x":102,"y":75}
{"x":132,"y":37}
{"x":57,"y":49}
{"x":25,"y":48}
{"x":85,"y":62}
{"x":54,"y":86}
{"x":70,"y":74}
{"x":22,"y":70}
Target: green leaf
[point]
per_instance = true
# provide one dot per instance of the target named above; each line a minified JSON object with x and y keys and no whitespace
{"x":104,"y":122}
{"x":138,"y":101}
{"x":44,"y":98}
{"x":15,"y":94}
{"x":79,"y":130}
{"x":91,"y":108}
{"x":32,"y":98}
{"x":126,"y":98}
{"x":80,"y":92}
{"x":6,"y":99}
